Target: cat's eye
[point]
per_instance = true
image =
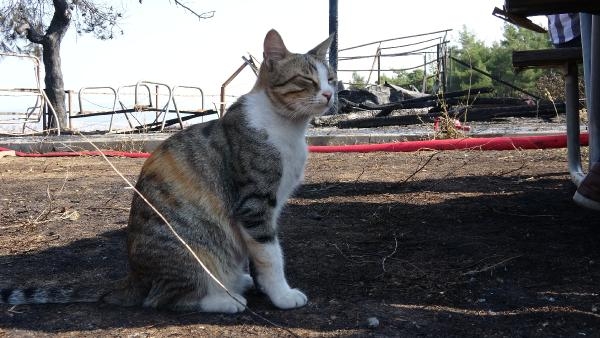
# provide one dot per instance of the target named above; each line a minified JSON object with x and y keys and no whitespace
{"x":305,"y":81}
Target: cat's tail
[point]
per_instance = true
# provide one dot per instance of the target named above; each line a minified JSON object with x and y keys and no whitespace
{"x":50,"y":295}
{"x":120,"y":292}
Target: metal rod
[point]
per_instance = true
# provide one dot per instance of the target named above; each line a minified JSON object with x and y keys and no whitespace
{"x":594,"y":107}
{"x":400,"y":38}
{"x":424,"y":88}
{"x":385,"y":70}
{"x":236,"y":73}
{"x":70,"y":105}
{"x":411,"y":52}
{"x":411,"y":44}
{"x":495,"y":78}
{"x":333,"y":29}
{"x":572,"y":111}
{"x":378,"y":67}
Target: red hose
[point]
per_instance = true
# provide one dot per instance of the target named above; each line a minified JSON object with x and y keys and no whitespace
{"x":489,"y":143}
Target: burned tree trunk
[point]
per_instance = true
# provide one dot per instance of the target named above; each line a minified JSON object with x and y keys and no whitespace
{"x":50,"y":41}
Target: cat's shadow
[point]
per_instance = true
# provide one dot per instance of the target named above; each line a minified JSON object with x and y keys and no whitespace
{"x":93,"y":262}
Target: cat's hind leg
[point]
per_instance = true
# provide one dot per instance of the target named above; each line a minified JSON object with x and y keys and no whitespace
{"x":217,"y":299}
{"x":213,"y":299}
{"x":218,"y":302}
{"x":223,"y":302}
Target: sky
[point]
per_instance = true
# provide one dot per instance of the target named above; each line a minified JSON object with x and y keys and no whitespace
{"x":164,"y":43}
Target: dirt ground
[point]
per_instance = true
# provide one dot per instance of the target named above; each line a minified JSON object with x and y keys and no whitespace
{"x":431,"y":244}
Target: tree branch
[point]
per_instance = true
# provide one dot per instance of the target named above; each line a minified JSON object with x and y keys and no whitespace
{"x":31,"y":34}
{"x":204,"y":15}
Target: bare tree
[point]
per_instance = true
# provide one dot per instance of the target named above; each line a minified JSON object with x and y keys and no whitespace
{"x":28,"y":18}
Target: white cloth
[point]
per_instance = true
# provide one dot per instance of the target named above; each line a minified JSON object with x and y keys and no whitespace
{"x":563,"y":27}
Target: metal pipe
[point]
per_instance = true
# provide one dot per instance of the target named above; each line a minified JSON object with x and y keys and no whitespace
{"x":594,"y":107}
{"x":70,"y":105}
{"x":45,"y":105}
{"x":572,"y":111}
{"x":165,"y":109}
{"x":424,"y":88}
{"x":378,"y":67}
{"x":411,"y":52}
{"x":495,"y":78}
{"x":333,"y":29}
{"x":114,"y":93}
{"x":233,"y":76}
{"x":402,"y":37}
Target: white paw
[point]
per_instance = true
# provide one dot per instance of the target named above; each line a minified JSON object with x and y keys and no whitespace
{"x":223,"y":303}
{"x":289,"y":299}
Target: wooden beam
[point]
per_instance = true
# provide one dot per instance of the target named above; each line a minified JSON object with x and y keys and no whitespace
{"x":546,"y":58}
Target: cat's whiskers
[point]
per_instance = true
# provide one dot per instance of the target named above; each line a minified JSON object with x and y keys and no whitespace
{"x":306,"y":107}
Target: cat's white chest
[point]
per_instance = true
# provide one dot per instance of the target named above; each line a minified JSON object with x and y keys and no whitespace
{"x":293,"y":152}
{"x":293,"y":157}
{"x":291,"y":145}
{"x":287,"y":137}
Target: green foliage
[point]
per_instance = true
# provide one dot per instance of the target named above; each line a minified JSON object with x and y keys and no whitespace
{"x":407,"y":79}
{"x":474,"y":52}
{"x":358,"y":82}
{"x":496,"y":60}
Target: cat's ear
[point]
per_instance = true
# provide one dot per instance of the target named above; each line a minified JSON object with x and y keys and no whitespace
{"x":321,"y":50}
{"x":274,"y":49}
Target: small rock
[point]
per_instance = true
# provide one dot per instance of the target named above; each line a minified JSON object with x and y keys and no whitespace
{"x":73,"y":216}
{"x":315,"y":216}
{"x":372,"y":322}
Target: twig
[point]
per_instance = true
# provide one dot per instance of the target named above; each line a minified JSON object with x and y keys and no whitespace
{"x":360,"y":175}
{"x":204,"y":15}
{"x":110,"y":208}
{"x":519,"y":215}
{"x":349,"y":259}
{"x":390,"y":255}
{"x":421,"y":167}
{"x":491,"y":267}
{"x":13,"y":310}
{"x":47,"y":209}
{"x":512,"y":171}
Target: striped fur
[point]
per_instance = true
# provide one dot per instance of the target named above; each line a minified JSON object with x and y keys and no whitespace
{"x":221,"y":185}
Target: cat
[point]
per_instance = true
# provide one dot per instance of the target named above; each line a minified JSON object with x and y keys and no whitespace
{"x":222,"y":186}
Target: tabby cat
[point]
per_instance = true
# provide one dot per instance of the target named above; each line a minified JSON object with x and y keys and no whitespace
{"x":222,"y":186}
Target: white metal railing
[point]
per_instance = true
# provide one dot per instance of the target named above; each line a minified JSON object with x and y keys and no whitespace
{"x":34,"y":113}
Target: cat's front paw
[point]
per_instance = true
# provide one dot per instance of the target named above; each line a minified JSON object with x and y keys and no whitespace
{"x":289,"y":299}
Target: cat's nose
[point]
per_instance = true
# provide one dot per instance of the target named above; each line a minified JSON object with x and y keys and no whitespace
{"x":327,"y":95}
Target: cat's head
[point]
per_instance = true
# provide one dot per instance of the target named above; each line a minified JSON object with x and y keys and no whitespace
{"x":299,"y":86}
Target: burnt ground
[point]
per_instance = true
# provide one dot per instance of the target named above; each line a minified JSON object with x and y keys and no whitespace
{"x":432,"y":244}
